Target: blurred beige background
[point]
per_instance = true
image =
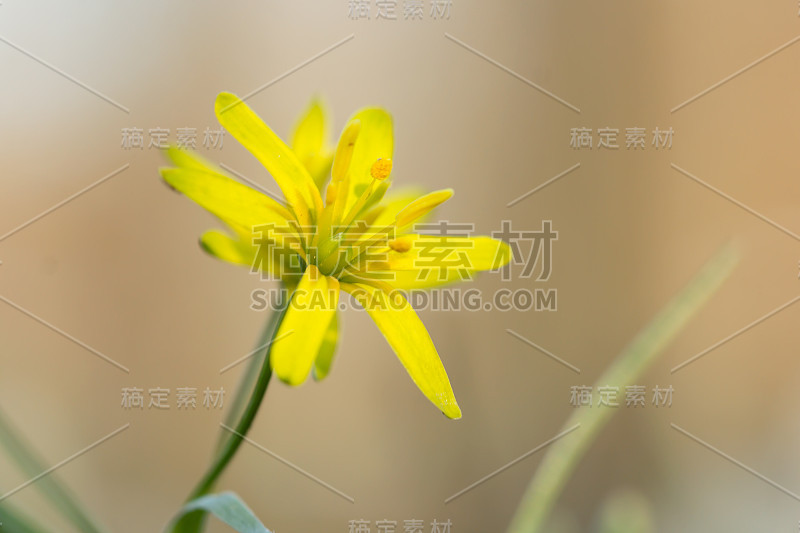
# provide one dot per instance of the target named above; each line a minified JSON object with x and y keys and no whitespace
{"x":120,"y":269}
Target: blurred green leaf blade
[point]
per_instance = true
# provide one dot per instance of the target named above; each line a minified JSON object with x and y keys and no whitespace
{"x":563,"y":457}
{"x":62,"y":498}
{"x":228,"y":508}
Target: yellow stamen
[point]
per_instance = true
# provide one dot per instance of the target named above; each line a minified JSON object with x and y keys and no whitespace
{"x":340,"y":172}
{"x":344,"y":151}
{"x":381,"y":169}
{"x":400,"y":245}
{"x":330,"y":194}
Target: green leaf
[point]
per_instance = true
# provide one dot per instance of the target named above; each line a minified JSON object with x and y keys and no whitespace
{"x":229,"y":508}
{"x":562,"y":457}
{"x":14,"y":521}
{"x":60,"y":496}
{"x":626,"y":511}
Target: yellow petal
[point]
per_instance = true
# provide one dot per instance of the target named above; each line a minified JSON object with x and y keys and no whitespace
{"x":324,"y":359}
{"x":227,"y":248}
{"x":409,"y":339}
{"x":226,"y":198}
{"x":375,"y":141}
{"x":188,"y":159}
{"x":421,"y":207}
{"x":445,"y":252}
{"x":310,"y":146}
{"x":304,"y":327}
{"x":291,"y":176}
{"x":408,"y":280}
{"x":394,"y":202}
{"x":344,"y":150}
{"x":405,"y":217}
{"x":425,"y":261}
{"x":245,"y":249}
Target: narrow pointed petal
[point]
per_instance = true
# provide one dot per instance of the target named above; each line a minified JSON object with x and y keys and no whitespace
{"x":446,"y":252}
{"x":409,"y":339}
{"x":230,"y":249}
{"x":188,"y":159}
{"x":250,"y":251}
{"x":421,"y":207}
{"x":344,"y":150}
{"x":375,"y":141}
{"x":394,"y":202}
{"x":405,"y":217}
{"x":339,"y":188}
{"x":310,"y":143}
{"x":291,"y":176}
{"x":226,"y":198}
{"x":303,"y":329}
{"x":426,"y":261}
{"x":408,"y":280}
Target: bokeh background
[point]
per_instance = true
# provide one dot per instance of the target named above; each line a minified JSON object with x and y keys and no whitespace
{"x":119,"y":267}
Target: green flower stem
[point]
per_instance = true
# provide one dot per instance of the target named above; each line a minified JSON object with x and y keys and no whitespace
{"x":193,"y":522}
{"x":562,"y":458}
{"x":249,"y":377}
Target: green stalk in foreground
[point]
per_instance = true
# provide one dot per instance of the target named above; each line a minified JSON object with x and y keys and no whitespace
{"x":251,"y":373}
{"x":62,"y":498}
{"x":14,"y":521}
{"x":562,"y":458}
{"x":193,"y":522}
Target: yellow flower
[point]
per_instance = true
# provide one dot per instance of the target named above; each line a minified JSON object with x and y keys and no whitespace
{"x":350,"y":238}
